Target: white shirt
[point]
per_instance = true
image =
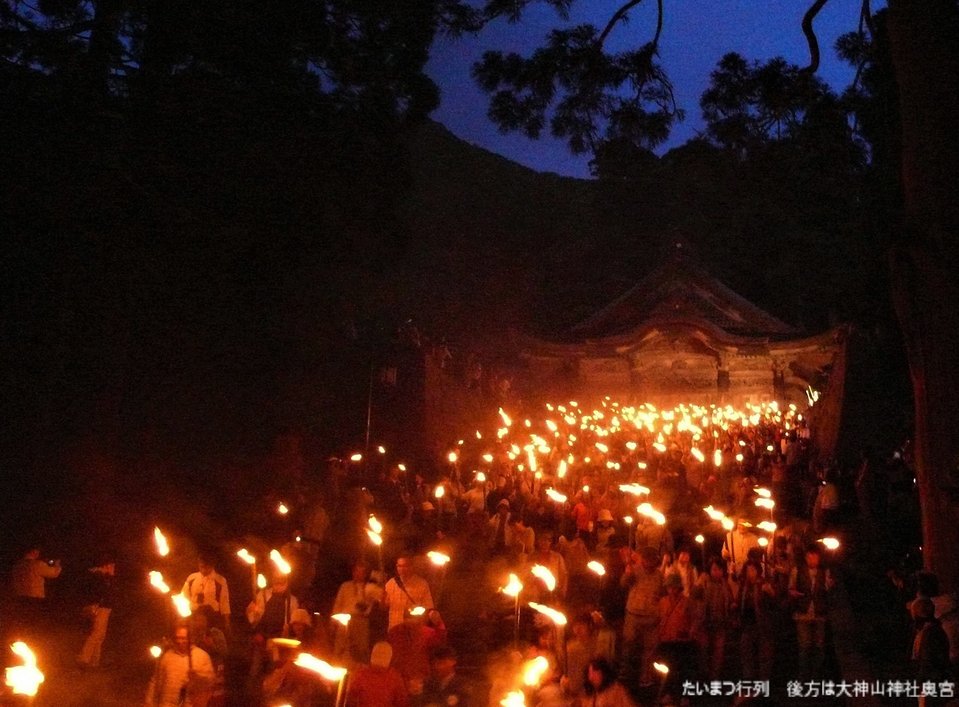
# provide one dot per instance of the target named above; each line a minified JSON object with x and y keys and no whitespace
{"x":197,"y":584}
{"x":399,"y":603}
{"x":172,"y":675}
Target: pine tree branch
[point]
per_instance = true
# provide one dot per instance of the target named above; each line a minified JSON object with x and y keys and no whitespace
{"x":811,"y":39}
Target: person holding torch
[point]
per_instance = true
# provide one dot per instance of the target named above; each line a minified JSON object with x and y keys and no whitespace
{"x":183,"y":674}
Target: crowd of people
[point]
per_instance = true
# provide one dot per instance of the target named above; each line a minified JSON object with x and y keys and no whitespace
{"x":626,"y":589}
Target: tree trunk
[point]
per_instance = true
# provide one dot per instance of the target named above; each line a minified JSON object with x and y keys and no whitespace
{"x":925,"y":267}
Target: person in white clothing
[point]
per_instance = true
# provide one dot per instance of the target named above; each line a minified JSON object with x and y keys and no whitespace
{"x":183,"y":675}
{"x":207,"y":588}
{"x":405,"y":591}
{"x":356,"y":597}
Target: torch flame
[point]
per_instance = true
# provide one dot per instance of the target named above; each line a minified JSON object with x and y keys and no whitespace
{"x":596,"y":567}
{"x":163,"y":547}
{"x":342,"y":619}
{"x":260,"y":581}
{"x":156,"y":651}
{"x":282,"y":509}
{"x":439,"y":492}
{"x":830,"y":543}
{"x":533,"y":670}
{"x":661,"y":668}
{"x":700,"y":538}
{"x":24,"y":679}
{"x":765,"y":493}
{"x":545,"y":575}
{"x":718,"y":457}
{"x":481,"y":477}
{"x":506,"y":419}
{"x":375,"y":537}
{"x":438,"y":558}
{"x":156,"y":579}
{"x":375,"y":525}
{"x":356,"y":457}
{"x":513,"y":586}
{"x":244,"y":555}
{"x":557,"y":617}
{"x":320,"y":667}
{"x":182,"y":605}
{"x":514,"y":699}
{"x":282,"y":566}
{"x":555,"y":495}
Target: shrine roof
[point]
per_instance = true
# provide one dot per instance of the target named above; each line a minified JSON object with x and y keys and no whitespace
{"x":682,"y":290}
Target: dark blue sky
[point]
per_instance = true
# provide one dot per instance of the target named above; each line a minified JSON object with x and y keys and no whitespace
{"x":696,"y":34}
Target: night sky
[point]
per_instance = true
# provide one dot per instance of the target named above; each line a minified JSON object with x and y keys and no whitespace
{"x":695,"y":36}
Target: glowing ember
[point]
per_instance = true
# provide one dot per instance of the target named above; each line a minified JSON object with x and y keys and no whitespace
{"x":282,"y":566}
{"x":320,"y":667}
{"x":438,"y":558}
{"x":163,"y":547}
{"x":24,"y":679}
